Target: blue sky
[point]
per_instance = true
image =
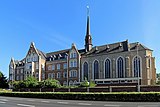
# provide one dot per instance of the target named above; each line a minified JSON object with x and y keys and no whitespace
{"x":56,"y":24}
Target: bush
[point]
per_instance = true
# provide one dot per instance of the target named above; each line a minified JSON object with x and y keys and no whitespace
{"x":121,"y":96}
{"x":51,"y":83}
{"x":85,"y":83}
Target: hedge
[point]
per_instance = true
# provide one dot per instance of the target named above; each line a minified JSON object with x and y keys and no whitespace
{"x":121,"y":96}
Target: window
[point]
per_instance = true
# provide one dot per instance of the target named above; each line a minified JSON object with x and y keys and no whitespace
{"x":64,"y":74}
{"x":64,"y":65}
{"x":58,"y":66}
{"x":120,"y":67}
{"x":73,"y":54}
{"x":49,"y":67}
{"x":21,"y":71}
{"x":70,"y":83}
{"x":137,"y":66}
{"x":70,"y":63}
{"x":43,"y":75}
{"x":17,"y":77}
{"x":37,"y":75}
{"x":58,"y":75}
{"x":53,"y":67}
{"x":17,"y":71}
{"x":64,"y":83}
{"x":73,"y":74}
{"x":49,"y":75}
{"x":75,"y":63}
{"x":107,"y":69}
{"x":37,"y":67}
{"x":85,"y":70}
{"x":53,"y":75}
{"x":96,"y":70}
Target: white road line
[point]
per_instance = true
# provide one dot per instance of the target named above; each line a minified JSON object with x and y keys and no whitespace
{"x":3,"y":99}
{"x":45,"y":101}
{"x":87,"y":104}
{"x":62,"y":102}
{"x":148,"y":105}
{"x":2,"y":102}
{"x":30,"y":100}
{"x":111,"y":105}
{"x":24,"y":105}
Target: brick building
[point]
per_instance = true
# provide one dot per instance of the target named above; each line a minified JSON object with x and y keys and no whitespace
{"x":120,"y":62}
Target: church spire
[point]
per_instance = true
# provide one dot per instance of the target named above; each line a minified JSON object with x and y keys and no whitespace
{"x":88,"y":38}
{"x":88,"y":22}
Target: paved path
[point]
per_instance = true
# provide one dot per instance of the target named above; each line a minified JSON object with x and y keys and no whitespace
{"x":33,"y":102}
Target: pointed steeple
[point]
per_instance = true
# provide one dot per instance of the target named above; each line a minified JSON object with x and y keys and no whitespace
{"x":88,"y":22}
{"x":88,"y":38}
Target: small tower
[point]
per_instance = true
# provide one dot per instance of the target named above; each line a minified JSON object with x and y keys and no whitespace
{"x":88,"y":38}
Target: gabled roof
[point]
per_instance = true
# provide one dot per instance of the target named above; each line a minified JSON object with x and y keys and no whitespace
{"x":109,"y":48}
{"x":57,"y":55}
{"x":116,"y":47}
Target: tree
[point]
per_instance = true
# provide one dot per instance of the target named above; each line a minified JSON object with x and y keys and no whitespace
{"x":51,"y":83}
{"x":3,"y":81}
{"x":30,"y":82}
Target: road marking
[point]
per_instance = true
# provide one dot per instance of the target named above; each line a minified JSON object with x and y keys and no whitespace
{"x":111,"y":105}
{"x":62,"y":102}
{"x":2,"y":102}
{"x":148,"y":105}
{"x":45,"y":101}
{"x":3,"y":99}
{"x":30,"y":100}
{"x":24,"y":105}
{"x":84,"y":104}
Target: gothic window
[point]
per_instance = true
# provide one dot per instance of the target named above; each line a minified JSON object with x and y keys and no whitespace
{"x":85,"y":70}
{"x":137,"y":65}
{"x":58,"y":75}
{"x":120,"y":67}
{"x":107,"y":68}
{"x":96,"y":70}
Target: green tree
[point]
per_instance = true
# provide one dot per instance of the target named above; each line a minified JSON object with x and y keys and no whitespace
{"x":3,"y":81}
{"x":51,"y":83}
{"x":30,"y":82}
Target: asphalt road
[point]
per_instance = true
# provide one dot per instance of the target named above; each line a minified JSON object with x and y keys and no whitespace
{"x":32,"y":102}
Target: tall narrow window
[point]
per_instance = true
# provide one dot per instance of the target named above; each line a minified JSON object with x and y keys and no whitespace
{"x":120,"y":67}
{"x":96,"y":70}
{"x":107,"y":69}
{"x":85,"y":70}
{"x":137,"y":66}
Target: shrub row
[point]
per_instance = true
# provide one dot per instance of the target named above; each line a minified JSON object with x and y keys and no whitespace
{"x":121,"y":96}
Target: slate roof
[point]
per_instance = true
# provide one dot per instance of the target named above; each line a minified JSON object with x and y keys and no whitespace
{"x":115,"y":48}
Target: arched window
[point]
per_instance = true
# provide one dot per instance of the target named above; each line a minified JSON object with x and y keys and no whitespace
{"x":71,"y":83}
{"x":120,"y":67}
{"x":107,"y":68}
{"x":137,"y":65}
{"x":85,"y":70}
{"x":96,"y":70}
{"x":64,"y":83}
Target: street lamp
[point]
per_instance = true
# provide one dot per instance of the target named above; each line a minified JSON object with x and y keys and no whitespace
{"x":138,"y":71}
{"x":67,"y":67}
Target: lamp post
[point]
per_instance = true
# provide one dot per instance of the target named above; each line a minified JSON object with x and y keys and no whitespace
{"x":138,"y":71}
{"x":67,"y":67}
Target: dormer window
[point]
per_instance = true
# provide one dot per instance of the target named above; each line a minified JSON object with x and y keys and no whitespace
{"x":107,"y":47}
{"x":120,"y":44}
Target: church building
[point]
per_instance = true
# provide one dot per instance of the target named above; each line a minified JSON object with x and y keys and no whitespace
{"x":117,"y":63}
